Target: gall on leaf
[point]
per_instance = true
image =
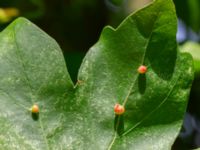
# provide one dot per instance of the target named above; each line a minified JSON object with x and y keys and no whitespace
{"x":119,"y":109}
{"x":35,"y":109}
{"x":142,"y":69}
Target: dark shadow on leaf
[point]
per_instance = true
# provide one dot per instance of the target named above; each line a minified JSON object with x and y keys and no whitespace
{"x":35,"y":116}
{"x":162,"y":58}
{"x":142,"y":83}
{"x":119,"y":124}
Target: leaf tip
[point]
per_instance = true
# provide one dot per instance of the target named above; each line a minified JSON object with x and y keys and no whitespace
{"x":21,"y":19}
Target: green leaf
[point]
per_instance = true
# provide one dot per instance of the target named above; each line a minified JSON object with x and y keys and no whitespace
{"x":194,"y":49}
{"x":82,"y":116}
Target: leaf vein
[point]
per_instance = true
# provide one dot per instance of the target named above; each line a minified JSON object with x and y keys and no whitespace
{"x":135,"y":79}
{"x":20,"y":59}
{"x":164,"y":100}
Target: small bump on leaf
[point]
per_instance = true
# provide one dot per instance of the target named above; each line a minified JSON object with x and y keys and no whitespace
{"x":35,"y":109}
{"x":119,"y":109}
{"x":142,"y":69}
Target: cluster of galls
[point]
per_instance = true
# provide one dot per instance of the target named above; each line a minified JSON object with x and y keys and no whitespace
{"x":119,"y":109}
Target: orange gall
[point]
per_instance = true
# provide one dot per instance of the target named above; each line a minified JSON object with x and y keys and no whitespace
{"x":142,"y":69}
{"x":35,"y":109}
{"x":119,"y":109}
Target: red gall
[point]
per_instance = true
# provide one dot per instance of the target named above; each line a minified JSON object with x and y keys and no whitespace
{"x":142,"y":69}
{"x":119,"y":109}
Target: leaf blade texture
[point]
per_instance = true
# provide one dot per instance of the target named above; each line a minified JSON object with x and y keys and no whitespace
{"x":33,"y":70}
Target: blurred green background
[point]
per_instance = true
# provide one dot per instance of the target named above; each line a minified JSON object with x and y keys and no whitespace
{"x":76,"y":25}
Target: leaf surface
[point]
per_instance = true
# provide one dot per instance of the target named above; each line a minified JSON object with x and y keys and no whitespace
{"x":194,"y":49}
{"x":33,"y":71}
